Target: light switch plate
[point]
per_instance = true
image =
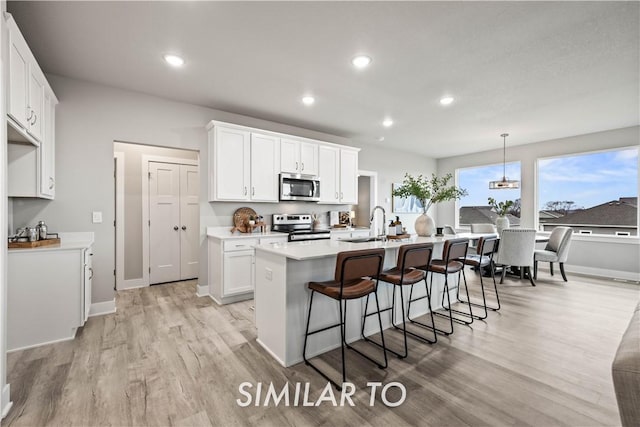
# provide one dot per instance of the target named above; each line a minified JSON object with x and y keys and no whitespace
{"x":97,"y":217}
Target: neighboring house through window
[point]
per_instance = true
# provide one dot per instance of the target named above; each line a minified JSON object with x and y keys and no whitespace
{"x":593,"y":193}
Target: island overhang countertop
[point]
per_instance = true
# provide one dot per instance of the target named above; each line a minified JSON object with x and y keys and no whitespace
{"x":312,"y":249}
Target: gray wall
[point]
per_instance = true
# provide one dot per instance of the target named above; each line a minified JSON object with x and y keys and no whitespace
{"x":91,"y":117}
{"x":133,"y":199}
{"x":588,"y":254}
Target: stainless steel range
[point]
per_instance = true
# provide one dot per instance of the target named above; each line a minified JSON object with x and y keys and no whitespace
{"x":298,"y":226}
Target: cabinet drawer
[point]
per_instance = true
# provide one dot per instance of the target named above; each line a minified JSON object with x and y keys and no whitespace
{"x":239,"y":245}
{"x":278,"y":239}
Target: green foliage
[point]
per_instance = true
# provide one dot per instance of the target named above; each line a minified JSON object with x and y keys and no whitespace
{"x":429,"y":190}
{"x":501,"y":208}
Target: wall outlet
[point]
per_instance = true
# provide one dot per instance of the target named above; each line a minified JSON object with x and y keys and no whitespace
{"x":268,"y":273}
{"x":97,"y":217}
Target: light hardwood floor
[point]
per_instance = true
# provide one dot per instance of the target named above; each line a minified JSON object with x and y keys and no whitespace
{"x":169,"y":358}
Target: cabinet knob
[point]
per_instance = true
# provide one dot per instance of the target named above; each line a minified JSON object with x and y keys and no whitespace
{"x":52,"y":183}
{"x":253,"y":191}
{"x":296,"y":165}
{"x":245,"y":191}
{"x":175,"y":227}
{"x":184,"y":227}
{"x":302,"y":168}
{"x":35,"y":119}
{"x":30,"y":114}
{"x":91,"y":270}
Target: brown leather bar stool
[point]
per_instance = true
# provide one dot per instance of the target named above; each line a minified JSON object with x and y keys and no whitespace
{"x":356,"y":276}
{"x":406,"y":272}
{"x":482,"y":259}
{"x":452,"y":252}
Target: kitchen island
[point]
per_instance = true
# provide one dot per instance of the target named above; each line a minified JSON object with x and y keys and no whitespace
{"x":282,"y":272}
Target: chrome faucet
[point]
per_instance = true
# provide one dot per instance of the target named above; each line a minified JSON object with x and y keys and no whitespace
{"x":384,"y":219}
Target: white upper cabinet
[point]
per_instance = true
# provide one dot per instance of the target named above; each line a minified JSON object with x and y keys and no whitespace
{"x":265,"y":165}
{"x":348,"y":177}
{"x":329,"y":173}
{"x":298,"y":157}
{"x":338,"y":172}
{"x":229,"y":161}
{"x":26,"y":88}
{"x":244,"y":165}
{"x":31,"y":117}
{"x":48,"y":149}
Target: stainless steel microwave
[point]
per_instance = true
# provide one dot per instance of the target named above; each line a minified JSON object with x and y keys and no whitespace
{"x":299,"y":187}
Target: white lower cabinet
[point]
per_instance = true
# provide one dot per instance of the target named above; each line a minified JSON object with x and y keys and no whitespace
{"x":231,"y":266}
{"x":48,"y":295}
{"x":238,"y":271}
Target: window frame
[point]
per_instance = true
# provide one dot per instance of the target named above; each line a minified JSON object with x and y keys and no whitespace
{"x":581,"y":153}
{"x":457,"y":183}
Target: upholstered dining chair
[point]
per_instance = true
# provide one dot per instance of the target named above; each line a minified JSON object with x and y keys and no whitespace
{"x":557,"y":250}
{"x":483,"y":228}
{"x":516,"y":250}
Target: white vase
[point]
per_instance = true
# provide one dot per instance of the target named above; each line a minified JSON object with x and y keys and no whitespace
{"x":425,"y":226}
{"x":502,"y":222}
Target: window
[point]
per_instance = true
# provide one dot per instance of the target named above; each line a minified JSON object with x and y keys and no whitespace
{"x":594,"y":193}
{"x":474,"y":208}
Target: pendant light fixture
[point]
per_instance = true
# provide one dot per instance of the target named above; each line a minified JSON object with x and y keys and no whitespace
{"x":505,"y":183}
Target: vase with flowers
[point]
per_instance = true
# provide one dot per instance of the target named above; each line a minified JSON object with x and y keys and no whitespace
{"x":502,"y":209}
{"x":429,"y":191}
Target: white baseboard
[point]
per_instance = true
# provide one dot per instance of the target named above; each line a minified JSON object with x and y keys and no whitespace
{"x":590,"y":271}
{"x":232,"y":299}
{"x":100,"y":308}
{"x":5,"y":399}
{"x":202,"y":290}
{"x":26,"y":347}
{"x":133,"y":284}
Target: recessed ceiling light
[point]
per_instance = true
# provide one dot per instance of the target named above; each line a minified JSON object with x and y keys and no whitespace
{"x":308,"y":100}
{"x":381,"y":138}
{"x":174,"y":60}
{"x":446,"y":100}
{"x":387,"y":123}
{"x":361,"y":61}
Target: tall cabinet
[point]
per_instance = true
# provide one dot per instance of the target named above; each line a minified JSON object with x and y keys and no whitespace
{"x":338,"y":172}
{"x":31,"y":122}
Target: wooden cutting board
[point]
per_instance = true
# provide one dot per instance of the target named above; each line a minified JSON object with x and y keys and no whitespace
{"x":36,"y":244}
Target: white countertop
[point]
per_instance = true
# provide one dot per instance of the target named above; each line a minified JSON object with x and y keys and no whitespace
{"x":325,"y":248}
{"x":68,"y":241}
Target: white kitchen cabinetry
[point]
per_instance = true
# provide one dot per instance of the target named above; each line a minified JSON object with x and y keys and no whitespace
{"x":244,"y":165}
{"x":49,"y":293}
{"x":265,"y":162}
{"x":338,"y":172}
{"x":298,"y":157}
{"x":48,"y":149}
{"x":231,"y":265}
{"x":26,"y":86}
{"x":229,"y":160}
{"x":31,"y":119}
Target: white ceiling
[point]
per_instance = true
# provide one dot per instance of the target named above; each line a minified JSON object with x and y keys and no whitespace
{"x":538,"y":70}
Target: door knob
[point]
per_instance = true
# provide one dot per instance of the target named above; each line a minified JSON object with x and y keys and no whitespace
{"x":175,"y":228}
{"x":184,"y":227}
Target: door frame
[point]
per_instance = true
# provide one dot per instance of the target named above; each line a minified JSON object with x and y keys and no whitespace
{"x":373,"y":193}
{"x":146,"y":158}
{"x":119,"y":157}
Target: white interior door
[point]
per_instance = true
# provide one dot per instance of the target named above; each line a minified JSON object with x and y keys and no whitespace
{"x":189,"y":221}
{"x":164,"y":227}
